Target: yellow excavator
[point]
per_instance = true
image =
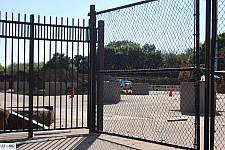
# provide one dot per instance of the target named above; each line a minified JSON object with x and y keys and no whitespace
{"x":185,"y":76}
{"x":220,"y":83}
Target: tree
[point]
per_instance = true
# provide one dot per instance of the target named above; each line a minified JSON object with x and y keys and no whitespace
{"x":147,"y":48}
{"x":171,"y":60}
{"x":220,"y":48}
{"x":81,"y":63}
{"x":2,"y":68}
{"x":24,"y":67}
{"x":122,"y":55}
{"x":58,"y":61}
{"x":12,"y":68}
{"x":152,"y":57}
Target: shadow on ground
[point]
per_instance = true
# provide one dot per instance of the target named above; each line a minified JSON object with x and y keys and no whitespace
{"x":91,"y":141}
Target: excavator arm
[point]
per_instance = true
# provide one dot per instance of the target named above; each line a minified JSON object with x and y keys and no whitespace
{"x":184,"y":75}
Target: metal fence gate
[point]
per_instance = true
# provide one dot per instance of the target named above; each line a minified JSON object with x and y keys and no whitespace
{"x":148,"y":78}
{"x":216,"y":24}
{"x":155,"y":80}
{"x":146,"y":90}
{"x":44,"y":73}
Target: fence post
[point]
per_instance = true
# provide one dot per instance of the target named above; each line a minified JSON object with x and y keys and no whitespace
{"x":31,"y":72}
{"x":207,"y":74}
{"x":197,"y":81}
{"x":93,"y":37}
{"x":100,"y":79}
{"x":213,"y":50}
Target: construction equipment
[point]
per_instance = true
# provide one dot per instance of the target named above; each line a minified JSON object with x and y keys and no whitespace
{"x":185,"y":76}
{"x":220,"y":83}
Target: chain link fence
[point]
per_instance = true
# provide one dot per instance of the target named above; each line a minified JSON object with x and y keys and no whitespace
{"x":220,"y":109}
{"x":148,"y":84}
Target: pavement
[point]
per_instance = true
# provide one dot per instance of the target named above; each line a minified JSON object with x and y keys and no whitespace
{"x":158,"y":119}
{"x":78,"y":140}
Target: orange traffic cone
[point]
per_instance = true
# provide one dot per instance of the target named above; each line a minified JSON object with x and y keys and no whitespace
{"x":126,"y":90}
{"x":170,"y":93}
{"x":72,"y":93}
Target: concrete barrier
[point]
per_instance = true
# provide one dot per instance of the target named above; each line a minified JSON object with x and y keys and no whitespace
{"x":164,"y":87}
{"x":187,"y":97}
{"x":53,"y":88}
{"x":3,"y":87}
{"x":69,"y":86}
{"x":111,"y":92}
{"x":140,"y":88}
{"x":21,"y":86}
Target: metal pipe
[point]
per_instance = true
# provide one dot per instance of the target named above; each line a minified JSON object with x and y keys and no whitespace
{"x":125,"y":6}
{"x":145,"y":70}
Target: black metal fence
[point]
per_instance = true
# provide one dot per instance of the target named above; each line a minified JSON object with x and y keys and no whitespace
{"x":218,"y":44}
{"x":44,"y":73}
{"x":142,"y":81}
{"x":148,"y":82}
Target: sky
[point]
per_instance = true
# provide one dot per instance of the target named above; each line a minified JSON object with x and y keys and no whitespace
{"x":54,"y":8}
{"x":66,"y":9}
{"x":60,"y":8}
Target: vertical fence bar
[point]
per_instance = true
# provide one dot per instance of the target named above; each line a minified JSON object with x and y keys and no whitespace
{"x":55,"y":63}
{"x":11,"y":74}
{"x":207,"y":74}
{"x":197,"y":76}
{"x":89,"y":82}
{"x":61,"y":73}
{"x":37,"y":81}
{"x":78,"y":67}
{"x":100,"y":77}
{"x":72,"y":36}
{"x":213,"y":50}
{"x":31,"y":73}
{"x":24,"y":60}
{"x":5,"y":66}
{"x":43,"y":35}
{"x":18,"y":62}
{"x":67,"y":48}
{"x":51,"y":35}
{"x":92,"y":63}
{"x":83,"y":77}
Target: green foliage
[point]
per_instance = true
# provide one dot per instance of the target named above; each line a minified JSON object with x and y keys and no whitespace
{"x":2,"y":68}
{"x":221,"y":52}
{"x":13,"y":68}
{"x":81,"y":63}
{"x":38,"y":66}
{"x":129,"y":55}
{"x":122,"y":55}
{"x":59,"y":61}
{"x":171,"y":60}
